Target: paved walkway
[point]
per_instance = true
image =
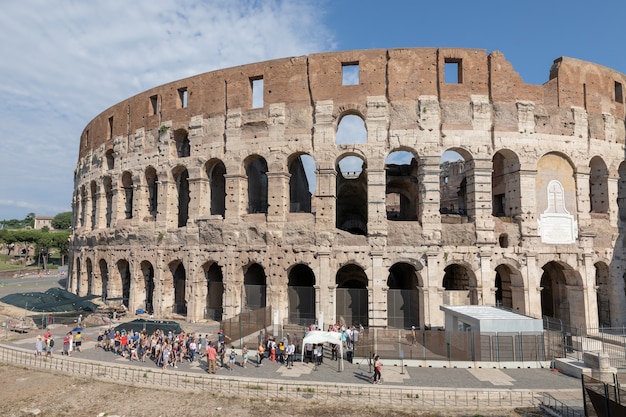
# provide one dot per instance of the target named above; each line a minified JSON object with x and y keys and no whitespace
{"x":564,"y":388}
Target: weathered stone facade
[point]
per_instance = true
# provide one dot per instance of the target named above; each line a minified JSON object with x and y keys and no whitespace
{"x":192,"y":198}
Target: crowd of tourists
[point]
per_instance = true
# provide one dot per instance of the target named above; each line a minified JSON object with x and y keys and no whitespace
{"x":170,"y":349}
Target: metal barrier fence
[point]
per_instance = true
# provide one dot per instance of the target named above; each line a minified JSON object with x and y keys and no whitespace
{"x":564,"y":341}
{"x":391,"y":396}
{"x":451,"y":346}
{"x":552,"y":406}
{"x":602,"y":399}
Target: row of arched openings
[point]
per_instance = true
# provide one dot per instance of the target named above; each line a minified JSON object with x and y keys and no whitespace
{"x":352,"y":297}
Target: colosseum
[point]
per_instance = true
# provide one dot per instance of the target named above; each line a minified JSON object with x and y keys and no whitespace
{"x":365,"y":186}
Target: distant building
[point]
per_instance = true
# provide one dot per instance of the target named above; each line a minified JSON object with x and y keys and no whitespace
{"x":43,"y":221}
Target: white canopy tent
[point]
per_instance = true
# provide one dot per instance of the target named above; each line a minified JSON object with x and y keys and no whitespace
{"x":315,"y":337}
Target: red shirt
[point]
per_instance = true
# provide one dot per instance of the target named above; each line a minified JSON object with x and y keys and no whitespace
{"x":210,"y":353}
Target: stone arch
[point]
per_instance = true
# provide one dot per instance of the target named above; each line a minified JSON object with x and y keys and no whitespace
{"x":104,"y":279}
{"x":459,"y":283}
{"x":181,"y":179}
{"x":124,"y":276}
{"x":255,"y":286}
{"x":182,"y":146}
{"x":146,"y":288}
{"x":216,"y":173}
{"x":178,"y":280}
{"x":301,"y":182}
{"x":214,"y":300}
{"x":351,"y":195}
{"x":83,"y":206}
{"x":80,"y":285}
{"x":128,"y":190}
{"x":621,"y":192}
{"x":598,"y":186}
{"x":256,"y":171}
{"x":603,"y":293}
{"x":352,"y":305}
{"x":509,"y":288}
{"x":453,"y":177}
{"x":90,"y":275}
{"x":301,"y":294}
{"x":402,"y":189}
{"x":555,"y":196}
{"x":403,"y":304}
{"x":107,"y":184}
{"x":152,"y":188}
{"x":351,"y":129}
{"x":561,"y":294}
{"x":93,"y":188}
{"x":506,"y":192}
{"x":110,"y":159}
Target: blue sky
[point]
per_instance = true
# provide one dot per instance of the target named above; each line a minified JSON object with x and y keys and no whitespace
{"x":71,"y":59}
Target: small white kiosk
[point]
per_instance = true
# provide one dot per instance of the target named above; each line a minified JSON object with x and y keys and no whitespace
{"x":486,"y":319}
{"x":489,"y":334}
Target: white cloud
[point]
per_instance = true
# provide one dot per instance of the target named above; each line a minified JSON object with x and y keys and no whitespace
{"x":65,"y":62}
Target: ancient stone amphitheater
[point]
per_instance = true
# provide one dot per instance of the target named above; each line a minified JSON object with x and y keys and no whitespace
{"x":366,"y":186}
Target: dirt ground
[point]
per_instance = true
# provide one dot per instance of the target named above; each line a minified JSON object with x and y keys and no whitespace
{"x":27,"y":392}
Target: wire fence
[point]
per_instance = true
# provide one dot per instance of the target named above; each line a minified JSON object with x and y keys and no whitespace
{"x":390,"y":396}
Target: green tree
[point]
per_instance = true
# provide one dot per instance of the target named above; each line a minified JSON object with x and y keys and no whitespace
{"x":62,"y":221}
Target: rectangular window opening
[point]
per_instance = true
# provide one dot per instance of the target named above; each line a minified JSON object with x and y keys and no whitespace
{"x":257,"y":92}
{"x":154,"y":103}
{"x":110,"y":127}
{"x":183,"y":95}
{"x":350,"y":73}
{"x":619,"y":97}
{"x":453,"y":71}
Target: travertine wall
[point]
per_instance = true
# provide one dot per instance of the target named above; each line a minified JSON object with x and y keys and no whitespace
{"x":550,"y":155}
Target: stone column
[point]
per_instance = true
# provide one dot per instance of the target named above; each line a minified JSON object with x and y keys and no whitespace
{"x":429,"y":199}
{"x":590,"y":289}
{"x":612,"y":189}
{"x":325,"y":297}
{"x":278,"y":196}
{"x":433,"y":291}
{"x":479,"y":200}
{"x":528,"y":186}
{"x":532,"y":277}
{"x":167,"y":203}
{"x":236,"y":197}
{"x":583,"y":199}
{"x":197,"y":195}
{"x":99,"y":221}
{"x":377,"y":293}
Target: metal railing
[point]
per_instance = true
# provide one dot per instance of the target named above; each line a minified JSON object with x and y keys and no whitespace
{"x":392,"y":396}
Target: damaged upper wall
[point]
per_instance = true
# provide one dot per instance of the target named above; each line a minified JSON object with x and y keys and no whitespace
{"x":399,"y":75}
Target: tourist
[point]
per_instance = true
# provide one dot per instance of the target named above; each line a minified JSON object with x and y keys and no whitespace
{"x":192,"y":350}
{"x":377,"y":368}
{"x":244,"y":356}
{"x":210,"y":355}
{"x":66,"y":343}
{"x":260,"y":354}
{"x":38,"y":345}
{"x":231,"y":358}
{"x":78,"y":341}
{"x":291,"y":351}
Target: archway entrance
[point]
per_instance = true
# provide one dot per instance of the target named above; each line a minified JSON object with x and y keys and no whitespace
{"x":403,"y":307}
{"x":147,"y":272}
{"x":301,"y":293}
{"x":215,"y":292}
{"x":352,"y":297}
{"x":180,"y":302}
{"x":255,"y":287}
{"x":124,"y":271}
{"x":460,"y":286}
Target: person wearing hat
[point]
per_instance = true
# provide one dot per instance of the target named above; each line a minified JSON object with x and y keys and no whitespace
{"x":38,"y":345}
